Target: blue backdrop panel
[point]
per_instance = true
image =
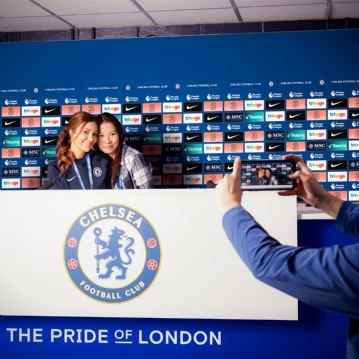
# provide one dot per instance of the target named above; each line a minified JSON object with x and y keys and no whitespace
{"x":258,"y":96}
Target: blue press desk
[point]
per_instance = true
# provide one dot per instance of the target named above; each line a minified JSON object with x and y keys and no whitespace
{"x":317,"y":333}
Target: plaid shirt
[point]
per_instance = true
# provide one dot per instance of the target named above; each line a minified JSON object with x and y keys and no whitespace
{"x":136,"y":171}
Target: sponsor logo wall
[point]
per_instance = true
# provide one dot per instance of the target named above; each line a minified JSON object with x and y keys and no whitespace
{"x":179,"y":122}
{"x":184,"y":139}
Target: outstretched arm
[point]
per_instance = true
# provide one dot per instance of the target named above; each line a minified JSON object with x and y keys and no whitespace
{"x":326,"y":277}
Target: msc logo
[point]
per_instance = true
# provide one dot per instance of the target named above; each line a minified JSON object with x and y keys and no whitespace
{"x":233,"y":117}
{"x":171,"y":150}
{"x":119,"y":256}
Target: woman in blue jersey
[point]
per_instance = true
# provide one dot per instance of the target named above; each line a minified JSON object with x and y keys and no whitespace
{"x":259,"y":177}
{"x":129,"y":169}
{"x":77,"y":166}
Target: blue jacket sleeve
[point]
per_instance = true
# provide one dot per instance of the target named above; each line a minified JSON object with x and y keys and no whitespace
{"x":327,"y":277}
{"x":53,"y":173}
{"x":348,"y":219}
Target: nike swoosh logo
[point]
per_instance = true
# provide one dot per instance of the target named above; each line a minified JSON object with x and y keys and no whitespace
{"x":230,"y":168}
{"x":191,"y":138}
{"x":292,"y":116}
{"x":9,"y":123}
{"x":273,"y":147}
{"x":335,"y":103}
{"x":229,"y":137}
{"x":335,"y":165}
{"x":211,"y":118}
{"x":355,"y":114}
{"x":150,"y":119}
{"x":67,"y":122}
{"x":48,"y":141}
{"x":189,"y":107}
{"x":335,"y":134}
{"x":130,"y":108}
{"x":47,"y":111}
{"x":191,"y":168}
{"x":274,"y":104}
{"x":70,"y":179}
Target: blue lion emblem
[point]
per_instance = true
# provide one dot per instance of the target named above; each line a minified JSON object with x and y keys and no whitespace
{"x":112,"y":250}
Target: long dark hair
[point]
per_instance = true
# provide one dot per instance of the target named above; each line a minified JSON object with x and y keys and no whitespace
{"x":115,"y":164}
{"x":63,"y":147}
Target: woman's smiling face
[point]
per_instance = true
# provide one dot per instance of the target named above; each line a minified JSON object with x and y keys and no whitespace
{"x":83,"y":139}
{"x":108,"y":139}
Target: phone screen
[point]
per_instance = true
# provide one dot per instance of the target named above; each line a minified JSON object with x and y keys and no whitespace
{"x":267,"y":175}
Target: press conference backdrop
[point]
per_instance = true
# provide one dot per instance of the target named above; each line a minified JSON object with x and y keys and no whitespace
{"x":191,"y":104}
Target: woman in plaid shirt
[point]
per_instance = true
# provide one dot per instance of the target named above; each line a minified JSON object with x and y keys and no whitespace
{"x":128,"y":167}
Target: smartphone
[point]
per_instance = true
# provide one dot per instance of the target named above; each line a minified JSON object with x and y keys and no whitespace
{"x":267,"y":175}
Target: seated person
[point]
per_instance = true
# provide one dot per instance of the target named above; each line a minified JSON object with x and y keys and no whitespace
{"x":272,"y":180}
{"x":259,"y":177}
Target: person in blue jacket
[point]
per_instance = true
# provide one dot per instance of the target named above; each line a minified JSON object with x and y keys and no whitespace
{"x":327,"y":278}
{"x":77,"y":165}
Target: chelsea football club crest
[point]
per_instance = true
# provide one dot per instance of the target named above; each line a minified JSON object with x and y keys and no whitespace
{"x":112,"y":253}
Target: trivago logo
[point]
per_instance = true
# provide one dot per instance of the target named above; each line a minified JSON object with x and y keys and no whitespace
{"x":317,"y":165}
{"x":114,"y":108}
{"x":337,"y":176}
{"x":172,"y":168}
{"x":30,"y":171}
{"x":132,"y":120}
{"x":30,"y":141}
{"x":316,"y":134}
{"x":254,"y":105}
{"x":318,"y":103}
{"x":10,"y":183}
{"x":195,"y":179}
{"x":353,"y":196}
{"x":353,"y":145}
{"x":275,"y":116}
{"x":172,"y":107}
{"x":254,"y":147}
{"x":337,"y":114}
{"x":172,"y":138}
{"x":213,"y":148}
{"x":193,"y":118}
{"x":51,"y":122}
{"x":30,"y":110}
